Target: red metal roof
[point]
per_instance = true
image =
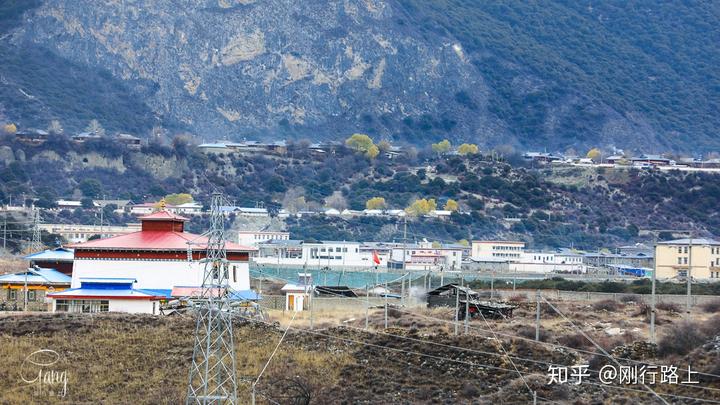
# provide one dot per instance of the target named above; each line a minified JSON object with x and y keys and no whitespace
{"x":163,"y":216}
{"x":157,"y":240}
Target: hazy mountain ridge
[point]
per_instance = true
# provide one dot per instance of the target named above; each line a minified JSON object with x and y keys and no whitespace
{"x":402,"y":69}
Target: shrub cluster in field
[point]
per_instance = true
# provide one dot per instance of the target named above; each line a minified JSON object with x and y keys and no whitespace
{"x":684,"y":336}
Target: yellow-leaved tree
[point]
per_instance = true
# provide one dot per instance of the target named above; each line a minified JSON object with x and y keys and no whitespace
{"x":10,"y":129}
{"x":594,"y":154}
{"x":421,"y":207}
{"x":441,"y":147}
{"x":451,"y":205}
{"x":468,"y":149}
{"x":178,"y":199}
{"x":375,"y":203}
{"x":373,"y":152}
{"x":362,"y":143}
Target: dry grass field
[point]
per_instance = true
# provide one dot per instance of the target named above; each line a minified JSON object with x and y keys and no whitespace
{"x":115,"y":358}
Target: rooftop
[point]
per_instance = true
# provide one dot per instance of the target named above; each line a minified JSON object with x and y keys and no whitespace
{"x":688,"y":241}
{"x":37,"y":276}
{"x":60,"y":254}
{"x":163,"y":216}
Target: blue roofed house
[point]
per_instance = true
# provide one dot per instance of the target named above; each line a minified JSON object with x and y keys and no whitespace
{"x":60,"y":259}
{"x":36,"y":282}
{"x":108,"y":295}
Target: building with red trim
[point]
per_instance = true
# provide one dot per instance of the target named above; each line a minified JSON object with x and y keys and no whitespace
{"x":158,"y":258}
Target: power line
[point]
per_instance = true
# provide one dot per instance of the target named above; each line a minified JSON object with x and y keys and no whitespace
{"x":314,"y":332}
{"x":254,"y":384}
{"x":599,"y":347}
{"x":555,"y":345}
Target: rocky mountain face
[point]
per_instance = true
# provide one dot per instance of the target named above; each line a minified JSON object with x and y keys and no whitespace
{"x":300,"y":69}
{"x":244,"y":67}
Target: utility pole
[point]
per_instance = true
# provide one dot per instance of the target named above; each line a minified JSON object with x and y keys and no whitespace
{"x":404,"y":243}
{"x":386,"y":305}
{"x":457,"y":309}
{"x":537,"y":315}
{"x":689,"y":275}
{"x":213,"y":376}
{"x":4,"y":232}
{"x":102,"y":215}
{"x":312,"y":296}
{"x":467,"y":309}
{"x":367,"y":306}
{"x":492,"y":285}
{"x":402,"y":290}
{"x":653,"y":301}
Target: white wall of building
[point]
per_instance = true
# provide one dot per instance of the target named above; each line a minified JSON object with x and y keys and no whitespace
{"x":156,"y":274}
{"x":546,"y":267}
{"x":129,"y":306}
{"x":451,"y":258}
{"x":247,"y":238}
{"x":133,"y":306}
{"x":497,"y":250}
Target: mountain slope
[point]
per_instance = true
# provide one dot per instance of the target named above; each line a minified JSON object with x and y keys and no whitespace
{"x":568,"y":71}
{"x":553,"y":74}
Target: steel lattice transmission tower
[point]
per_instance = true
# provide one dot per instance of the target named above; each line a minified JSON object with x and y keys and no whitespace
{"x":36,"y":243}
{"x":213,"y":378}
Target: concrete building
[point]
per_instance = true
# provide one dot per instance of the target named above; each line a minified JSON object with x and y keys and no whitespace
{"x":246,"y":211}
{"x":299,"y":294}
{"x":81,"y":233}
{"x":561,"y":261}
{"x":149,"y":263}
{"x":36,"y":282}
{"x":673,"y":259}
{"x":319,"y":254}
{"x":497,"y":249}
{"x":425,"y":256}
{"x":60,"y":259}
{"x":191,"y":208}
{"x":254,"y":238}
{"x":107,"y":295}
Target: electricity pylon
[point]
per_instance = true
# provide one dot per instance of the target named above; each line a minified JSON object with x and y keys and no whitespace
{"x":213,"y":379}
{"x":36,"y":243}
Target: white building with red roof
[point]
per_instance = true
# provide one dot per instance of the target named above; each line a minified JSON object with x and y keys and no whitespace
{"x":150,"y":263}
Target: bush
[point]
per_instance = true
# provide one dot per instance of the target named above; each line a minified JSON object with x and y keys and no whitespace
{"x":606,"y":305}
{"x":631,"y":298}
{"x":576,"y":341}
{"x":668,"y":306}
{"x":711,"y":327}
{"x":518,"y":298}
{"x":529,"y":332}
{"x":712,"y":306}
{"x":681,"y":338}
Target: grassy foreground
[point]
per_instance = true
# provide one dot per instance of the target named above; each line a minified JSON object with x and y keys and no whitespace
{"x":140,"y":359}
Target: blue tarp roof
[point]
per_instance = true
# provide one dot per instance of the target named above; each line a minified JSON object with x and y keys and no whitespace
{"x":104,"y":292}
{"x":245,"y":295}
{"x":60,"y":254}
{"x":110,"y":287}
{"x":37,"y":276}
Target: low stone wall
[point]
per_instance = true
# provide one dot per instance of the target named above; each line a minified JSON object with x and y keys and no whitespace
{"x":600,"y":296}
{"x":339,"y":303}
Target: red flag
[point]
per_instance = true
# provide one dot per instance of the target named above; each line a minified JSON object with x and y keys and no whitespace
{"x":376,"y":258}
